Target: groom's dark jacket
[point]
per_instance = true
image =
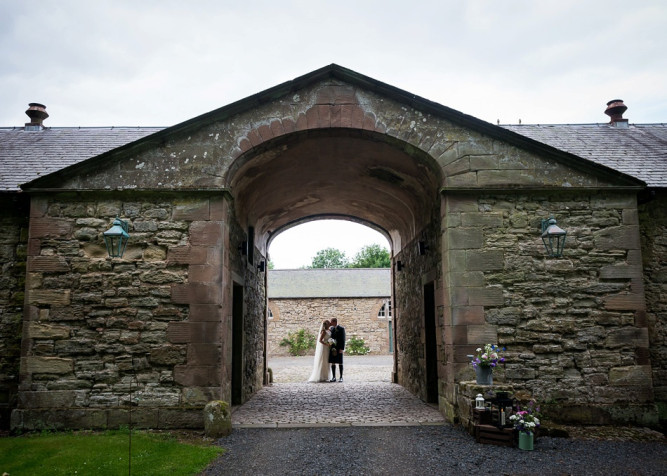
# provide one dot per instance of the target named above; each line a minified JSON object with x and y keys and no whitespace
{"x":338,"y":333}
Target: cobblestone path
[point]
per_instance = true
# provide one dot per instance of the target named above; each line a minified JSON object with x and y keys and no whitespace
{"x":365,"y":398}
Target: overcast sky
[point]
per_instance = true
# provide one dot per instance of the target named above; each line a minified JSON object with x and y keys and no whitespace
{"x":161,"y":62}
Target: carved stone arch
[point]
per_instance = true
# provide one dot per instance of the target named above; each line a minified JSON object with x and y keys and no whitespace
{"x":355,"y":174}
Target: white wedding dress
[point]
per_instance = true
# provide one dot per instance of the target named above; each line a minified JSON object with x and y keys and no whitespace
{"x":321,"y":371}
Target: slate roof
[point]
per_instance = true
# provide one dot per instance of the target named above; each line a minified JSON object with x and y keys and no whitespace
{"x":27,"y":155}
{"x":329,"y":283}
{"x":640,"y":150}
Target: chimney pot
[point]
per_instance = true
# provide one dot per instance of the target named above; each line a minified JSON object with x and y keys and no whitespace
{"x":615,"y":110}
{"x":37,"y":113}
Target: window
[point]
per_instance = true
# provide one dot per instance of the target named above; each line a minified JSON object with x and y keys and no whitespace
{"x":385,"y":310}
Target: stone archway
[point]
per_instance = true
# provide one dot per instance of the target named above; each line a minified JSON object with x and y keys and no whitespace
{"x":361,"y":175}
{"x":458,"y":198}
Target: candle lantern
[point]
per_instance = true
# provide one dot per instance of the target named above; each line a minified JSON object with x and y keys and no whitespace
{"x":501,"y":408}
{"x":479,"y":402}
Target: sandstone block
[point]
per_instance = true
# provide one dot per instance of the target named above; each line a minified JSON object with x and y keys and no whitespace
{"x":196,"y":293}
{"x":196,"y":376}
{"x":627,"y":337}
{"x":47,"y":331}
{"x":180,"y":418}
{"x":46,"y":365}
{"x":481,"y":334}
{"x":50,"y":228}
{"x":631,"y":376}
{"x":191,"y":210}
{"x":47,"y":399}
{"x":490,"y":219}
{"x":217,"y":419}
{"x":206,"y":233}
{"x":205,"y":312}
{"x":203,"y":354}
{"x":465,"y":238}
{"x":199,"y":396}
{"x":187,"y":255}
{"x":47,"y":264}
{"x":618,"y":237}
{"x":488,"y":296}
{"x":154,"y":253}
{"x":167,"y":355}
{"x":468,"y":315}
{"x":51,"y":297}
{"x":465,"y":180}
{"x":485,"y":260}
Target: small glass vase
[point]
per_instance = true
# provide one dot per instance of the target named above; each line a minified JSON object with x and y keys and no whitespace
{"x":526,"y":440}
{"x":484,"y":375}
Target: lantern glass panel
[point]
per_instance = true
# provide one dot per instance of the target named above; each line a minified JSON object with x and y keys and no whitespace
{"x":116,"y":238}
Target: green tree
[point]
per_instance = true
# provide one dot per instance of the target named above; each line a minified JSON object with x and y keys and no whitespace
{"x":372,"y":256}
{"x":330,"y":258}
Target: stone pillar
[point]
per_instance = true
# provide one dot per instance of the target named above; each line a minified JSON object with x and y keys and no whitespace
{"x":203,"y":292}
{"x":465,"y":260}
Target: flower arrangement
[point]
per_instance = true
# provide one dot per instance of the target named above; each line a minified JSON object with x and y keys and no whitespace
{"x":526,"y":418}
{"x":332,"y":343}
{"x":488,"y":356}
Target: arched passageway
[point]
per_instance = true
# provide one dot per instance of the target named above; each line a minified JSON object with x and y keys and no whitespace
{"x":351,"y":174}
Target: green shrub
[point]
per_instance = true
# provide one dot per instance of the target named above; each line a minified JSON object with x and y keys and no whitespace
{"x":356,"y":346}
{"x":299,"y":342}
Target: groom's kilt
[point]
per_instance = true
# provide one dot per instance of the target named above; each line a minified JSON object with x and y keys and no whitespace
{"x":337,"y":358}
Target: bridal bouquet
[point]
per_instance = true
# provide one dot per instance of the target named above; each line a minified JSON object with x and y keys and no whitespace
{"x":332,"y":342}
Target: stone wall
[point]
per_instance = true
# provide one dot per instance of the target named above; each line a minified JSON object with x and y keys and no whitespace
{"x":359,"y":316}
{"x":13,"y":240}
{"x":653,"y":219}
{"x":417,"y":271}
{"x":100,"y":333}
{"x":575,"y":328}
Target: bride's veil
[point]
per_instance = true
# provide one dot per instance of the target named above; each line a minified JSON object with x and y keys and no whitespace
{"x":319,"y":351}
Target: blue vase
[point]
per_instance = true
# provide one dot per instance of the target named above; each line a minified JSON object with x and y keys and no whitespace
{"x":484,"y":375}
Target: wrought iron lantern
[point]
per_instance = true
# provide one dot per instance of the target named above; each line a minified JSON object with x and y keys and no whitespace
{"x":116,"y":238}
{"x":553,"y":237}
{"x":479,"y":402}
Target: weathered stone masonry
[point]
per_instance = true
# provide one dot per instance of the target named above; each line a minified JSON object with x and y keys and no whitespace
{"x":653,"y":220}
{"x":96,"y":327}
{"x":585,"y":333}
{"x":575,"y":328}
{"x":13,"y":244}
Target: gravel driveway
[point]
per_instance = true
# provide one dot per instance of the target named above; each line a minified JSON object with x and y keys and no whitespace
{"x":424,"y":451}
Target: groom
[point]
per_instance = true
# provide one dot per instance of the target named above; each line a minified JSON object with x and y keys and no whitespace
{"x":336,"y":351}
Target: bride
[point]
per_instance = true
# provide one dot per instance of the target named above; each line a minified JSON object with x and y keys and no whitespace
{"x":321,"y":371}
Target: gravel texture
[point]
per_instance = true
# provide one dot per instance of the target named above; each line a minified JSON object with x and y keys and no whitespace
{"x":425,"y":450}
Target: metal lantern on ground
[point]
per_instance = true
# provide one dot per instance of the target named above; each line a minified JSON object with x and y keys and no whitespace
{"x":116,"y":238}
{"x":553,"y":237}
{"x":479,"y":402}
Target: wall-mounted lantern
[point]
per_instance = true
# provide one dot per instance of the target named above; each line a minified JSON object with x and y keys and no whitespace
{"x":553,"y":237}
{"x":116,"y":238}
{"x":399,"y":265}
{"x":261,"y":266}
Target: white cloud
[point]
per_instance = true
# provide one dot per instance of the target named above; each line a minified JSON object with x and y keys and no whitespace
{"x":297,"y":246}
{"x":161,"y":62}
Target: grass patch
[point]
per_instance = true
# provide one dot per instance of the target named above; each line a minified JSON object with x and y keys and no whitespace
{"x":104,"y":453}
